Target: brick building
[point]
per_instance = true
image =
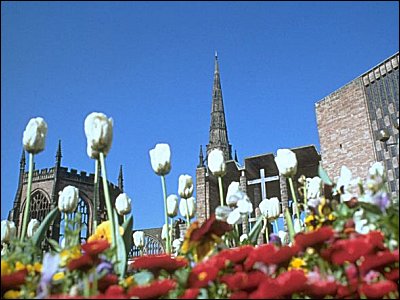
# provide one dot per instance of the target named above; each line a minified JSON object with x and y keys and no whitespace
{"x":258,"y":176}
{"x":358,"y":124}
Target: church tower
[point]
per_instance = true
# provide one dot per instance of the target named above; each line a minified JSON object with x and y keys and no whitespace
{"x":218,"y":130}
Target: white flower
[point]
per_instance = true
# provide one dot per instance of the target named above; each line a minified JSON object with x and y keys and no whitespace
{"x":263,"y":206}
{"x":377,"y":169}
{"x":34,"y":136}
{"x":344,"y":180}
{"x":8,"y":231}
{"x":284,"y":236}
{"x":165,"y":231}
{"x":234,"y":217}
{"x":222,"y":213}
{"x":123,"y":204}
{"x":68,"y":199}
{"x":244,"y":205}
{"x":176,"y":245}
{"x":231,"y":198}
{"x":313,"y":187}
{"x":138,"y":239}
{"x":243,"y":237}
{"x":191,"y":206}
{"x":286,"y":162}
{"x":99,"y":134}
{"x":185,"y":189}
{"x":32,"y":227}
{"x":361,"y":224}
{"x":172,"y":205}
{"x":297,"y":224}
{"x":160,"y":158}
{"x":216,"y":162}
{"x":270,"y":208}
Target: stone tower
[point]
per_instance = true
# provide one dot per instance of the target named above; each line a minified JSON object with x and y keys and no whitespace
{"x":47,"y":183}
{"x":358,"y":124}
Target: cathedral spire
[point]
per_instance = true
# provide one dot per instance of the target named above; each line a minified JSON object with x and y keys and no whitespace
{"x":218,"y":130}
{"x":201,"y":158}
{"x":58,"y":154}
{"x":22,"y":162}
{"x":121,"y":179}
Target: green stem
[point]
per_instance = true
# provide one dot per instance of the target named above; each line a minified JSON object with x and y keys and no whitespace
{"x":187,"y":214}
{"x":164,"y":187}
{"x":170,"y":230}
{"x":221,"y":191}
{"x":28,"y":198}
{"x":289,"y":223}
{"x":294,"y":197}
{"x":108,"y":201}
{"x":276,"y":225}
{"x":96,"y":194}
{"x":266,"y":230}
{"x":86,"y":289}
{"x":66,"y":230}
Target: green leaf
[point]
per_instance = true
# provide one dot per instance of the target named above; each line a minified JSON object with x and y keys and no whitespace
{"x":127,"y":226}
{"x":143,"y":277}
{"x":40,"y":233}
{"x":121,"y":251}
{"x":289,"y":223}
{"x":324,"y":176}
{"x":255,"y":231}
{"x":182,"y":276}
{"x":54,"y":244}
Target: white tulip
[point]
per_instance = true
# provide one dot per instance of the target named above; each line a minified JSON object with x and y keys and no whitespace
{"x":234,"y":217}
{"x":263,"y":206}
{"x":376,"y":169}
{"x":244,"y":205}
{"x":68,"y":199}
{"x":286,"y":162}
{"x":243,"y":237}
{"x":138,"y":239}
{"x":165,"y":231}
{"x":8,"y":231}
{"x":216,"y":162}
{"x":176,"y":245}
{"x":172,"y":205}
{"x":313,"y":187}
{"x":284,"y":236}
{"x":34,"y":136}
{"x":32,"y":227}
{"x":274,"y":208}
{"x":123,"y":204}
{"x":160,"y":158}
{"x":191,"y":206}
{"x":185,"y":189}
{"x":231,"y":198}
{"x":99,"y":134}
{"x":298,"y":225}
{"x":222,"y":213}
{"x":344,"y":179}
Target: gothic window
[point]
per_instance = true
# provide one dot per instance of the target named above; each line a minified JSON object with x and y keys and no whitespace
{"x":83,"y":209}
{"x":40,"y":206}
{"x":151,"y":246}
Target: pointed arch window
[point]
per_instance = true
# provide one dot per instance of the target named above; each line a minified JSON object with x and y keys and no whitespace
{"x":83,"y":209}
{"x":40,"y":206}
{"x":151,"y":246}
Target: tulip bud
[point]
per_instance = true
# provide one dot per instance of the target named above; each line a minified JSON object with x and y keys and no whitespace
{"x":176,"y":245}
{"x":191,"y":206}
{"x":222,"y":213}
{"x":243,"y":237}
{"x":244,"y":205}
{"x":99,"y":134}
{"x":32,"y":227}
{"x":165,"y":232}
{"x":284,"y":236}
{"x":286,"y":162}
{"x":123,"y":204}
{"x":216,"y":162}
{"x":8,"y":231}
{"x":313,"y":187}
{"x":234,"y":217}
{"x":297,"y":225}
{"x":172,"y":205}
{"x":231,"y":198}
{"x":160,"y":158}
{"x":68,"y":199}
{"x":344,"y":180}
{"x":34,"y":136}
{"x":138,"y":239}
{"x":274,"y":208}
{"x":185,"y":189}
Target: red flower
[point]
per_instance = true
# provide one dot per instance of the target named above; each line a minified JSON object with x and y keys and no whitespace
{"x":239,"y":295}
{"x":201,"y":275}
{"x":270,"y":254}
{"x":378,"y":260}
{"x":154,"y":290}
{"x":347,"y":292}
{"x":190,"y":294}
{"x":347,"y":250}
{"x":375,"y":238}
{"x":236,"y":255}
{"x":258,"y":254}
{"x":392,"y":274}
{"x":284,"y":285}
{"x":13,"y":281}
{"x":106,"y":281}
{"x":314,"y":238}
{"x":378,"y":289}
{"x":95,"y":247}
{"x":320,"y":289}
{"x":115,"y":291}
{"x":83,"y":263}
{"x":243,"y":281}
{"x":211,"y":227}
{"x":155,"y":263}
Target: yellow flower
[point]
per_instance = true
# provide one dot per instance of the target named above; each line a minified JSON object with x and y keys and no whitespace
{"x":11,"y":294}
{"x":5,"y":268}
{"x":68,"y":254}
{"x":297,"y":263}
{"x":58,"y":276}
{"x":129,"y":281}
{"x":103,"y":232}
{"x":19,"y":266}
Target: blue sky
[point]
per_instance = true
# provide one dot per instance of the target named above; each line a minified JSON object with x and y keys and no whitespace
{"x":149,"y":66}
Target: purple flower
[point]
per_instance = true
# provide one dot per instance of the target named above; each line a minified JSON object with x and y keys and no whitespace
{"x":382,"y":200}
{"x":50,"y":267}
{"x":275,"y":239}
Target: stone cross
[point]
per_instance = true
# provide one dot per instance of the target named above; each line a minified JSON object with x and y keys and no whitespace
{"x":263,"y":180}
